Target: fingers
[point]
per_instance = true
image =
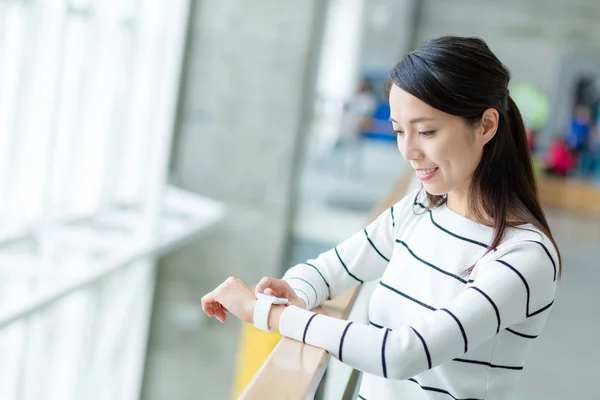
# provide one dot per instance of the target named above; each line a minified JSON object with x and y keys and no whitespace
{"x":273,"y":286}
{"x":212,"y":307}
{"x":264,"y":283}
{"x":208,"y":304}
{"x":215,"y":309}
{"x":220,"y":314}
{"x":211,"y":302}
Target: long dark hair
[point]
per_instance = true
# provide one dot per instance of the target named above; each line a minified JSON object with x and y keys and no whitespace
{"x":461,"y":76}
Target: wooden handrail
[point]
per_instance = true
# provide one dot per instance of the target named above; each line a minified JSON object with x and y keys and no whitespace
{"x":293,"y":369}
{"x":580,"y":197}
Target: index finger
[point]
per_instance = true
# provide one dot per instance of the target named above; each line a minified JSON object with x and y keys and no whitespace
{"x":206,"y":301}
{"x":263,"y":284}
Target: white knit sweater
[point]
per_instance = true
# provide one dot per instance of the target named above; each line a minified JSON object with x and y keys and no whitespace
{"x":434,"y":333}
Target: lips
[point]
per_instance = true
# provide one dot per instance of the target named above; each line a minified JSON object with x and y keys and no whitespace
{"x":426,"y":174}
{"x":423,"y":172}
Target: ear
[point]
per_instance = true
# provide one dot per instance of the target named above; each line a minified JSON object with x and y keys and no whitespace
{"x":489,"y":125}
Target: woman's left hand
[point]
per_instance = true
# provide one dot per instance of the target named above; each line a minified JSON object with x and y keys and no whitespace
{"x":231,"y":296}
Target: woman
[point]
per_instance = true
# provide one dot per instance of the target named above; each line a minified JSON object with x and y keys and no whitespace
{"x":467,"y":265}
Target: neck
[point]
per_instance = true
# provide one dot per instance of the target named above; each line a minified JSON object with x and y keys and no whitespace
{"x":458,"y":202}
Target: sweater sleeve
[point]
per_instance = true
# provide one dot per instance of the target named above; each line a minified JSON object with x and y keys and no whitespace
{"x":358,"y":259}
{"x":508,"y":289}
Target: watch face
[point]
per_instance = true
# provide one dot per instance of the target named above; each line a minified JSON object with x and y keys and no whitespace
{"x":274,"y":299}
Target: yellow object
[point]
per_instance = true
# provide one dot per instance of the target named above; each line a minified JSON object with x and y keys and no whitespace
{"x":254,"y":348}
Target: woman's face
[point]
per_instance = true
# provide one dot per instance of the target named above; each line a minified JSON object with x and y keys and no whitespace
{"x":442,"y":148}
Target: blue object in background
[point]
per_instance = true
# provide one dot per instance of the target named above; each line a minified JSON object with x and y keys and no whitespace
{"x":381,"y":127}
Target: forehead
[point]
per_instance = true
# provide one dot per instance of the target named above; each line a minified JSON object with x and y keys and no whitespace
{"x":405,"y":106}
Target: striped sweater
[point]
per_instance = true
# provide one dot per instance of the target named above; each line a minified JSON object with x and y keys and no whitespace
{"x":433,"y":332}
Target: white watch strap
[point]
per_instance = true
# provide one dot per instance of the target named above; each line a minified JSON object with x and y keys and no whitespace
{"x":261,"y":313}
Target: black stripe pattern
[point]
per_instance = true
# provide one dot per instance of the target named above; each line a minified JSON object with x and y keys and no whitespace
{"x":346,"y":268}
{"x":406,"y":296}
{"x":458,"y":278}
{"x":454,"y":234}
{"x":548,"y":254}
{"x":317,"y":269}
{"x":462,"y":330}
{"x":523,"y":335}
{"x":342,"y":341}
{"x":376,"y":325}
{"x":528,"y":313}
{"x":432,"y":389}
{"x":305,"y":295}
{"x":487,"y":364}
{"x":306,"y":328}
{"x":383,"y":365}
{"x":308,"y":283}
{"x":492,"y":303}
{"x":483,"y":244}
{"x":375,"y":247}
{"x":424,"y":347}
{"x":416,"y":203}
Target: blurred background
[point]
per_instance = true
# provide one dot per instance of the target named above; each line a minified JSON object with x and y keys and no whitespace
{"x":150,"y":149}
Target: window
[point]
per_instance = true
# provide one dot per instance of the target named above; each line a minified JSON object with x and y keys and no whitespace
{"x":88,"y":94}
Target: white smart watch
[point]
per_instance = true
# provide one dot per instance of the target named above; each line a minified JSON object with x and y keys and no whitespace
{"x":262,"y":309}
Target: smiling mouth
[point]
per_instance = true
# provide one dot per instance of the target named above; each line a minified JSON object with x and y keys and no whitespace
{"x":424,"y":172}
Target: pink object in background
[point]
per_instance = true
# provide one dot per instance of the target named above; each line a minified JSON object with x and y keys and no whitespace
{"x":559,"y":158}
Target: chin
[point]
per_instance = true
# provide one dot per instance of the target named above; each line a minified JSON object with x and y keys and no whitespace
{"x":434,"y":190}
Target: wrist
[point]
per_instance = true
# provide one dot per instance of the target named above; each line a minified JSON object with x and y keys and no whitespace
{"x":275,"y":316}
{"x":299,"y":302}
{"x":250,"y":313}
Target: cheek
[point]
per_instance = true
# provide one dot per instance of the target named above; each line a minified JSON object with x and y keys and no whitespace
{"x":399,"y":146}
{"x":465,"y":158}
{"x":457,"y":156}
{"x":445,"y":154}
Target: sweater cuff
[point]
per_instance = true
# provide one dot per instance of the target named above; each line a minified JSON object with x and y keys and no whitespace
{"x":301,"y":291}
{"x":293,"y":322}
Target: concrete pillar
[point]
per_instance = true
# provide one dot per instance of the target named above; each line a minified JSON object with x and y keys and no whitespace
{"x":242,"y":108}
{"x":389,"y":32}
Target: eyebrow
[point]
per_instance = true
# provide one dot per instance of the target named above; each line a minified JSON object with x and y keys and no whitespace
{"x":414,"y":120}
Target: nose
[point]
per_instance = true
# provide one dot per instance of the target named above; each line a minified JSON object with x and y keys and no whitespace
{"x":409,"y":147}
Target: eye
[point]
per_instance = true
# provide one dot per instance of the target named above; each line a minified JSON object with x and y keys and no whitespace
{"x":398,"y":133}
{"x":426,"y":133}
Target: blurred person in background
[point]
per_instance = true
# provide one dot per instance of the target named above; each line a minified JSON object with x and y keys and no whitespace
{"x":559,"y":159}
{"x":578,"y":134}
{"x":345,"y":154}
{"x":466,"y":264}
{"x":579,"y":129}
{"x":591,"y":157}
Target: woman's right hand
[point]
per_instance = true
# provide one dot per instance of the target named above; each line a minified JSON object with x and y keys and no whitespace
{"x":279,"y":288}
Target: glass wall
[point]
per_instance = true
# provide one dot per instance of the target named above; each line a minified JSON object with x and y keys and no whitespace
{"x":88,"y":92}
